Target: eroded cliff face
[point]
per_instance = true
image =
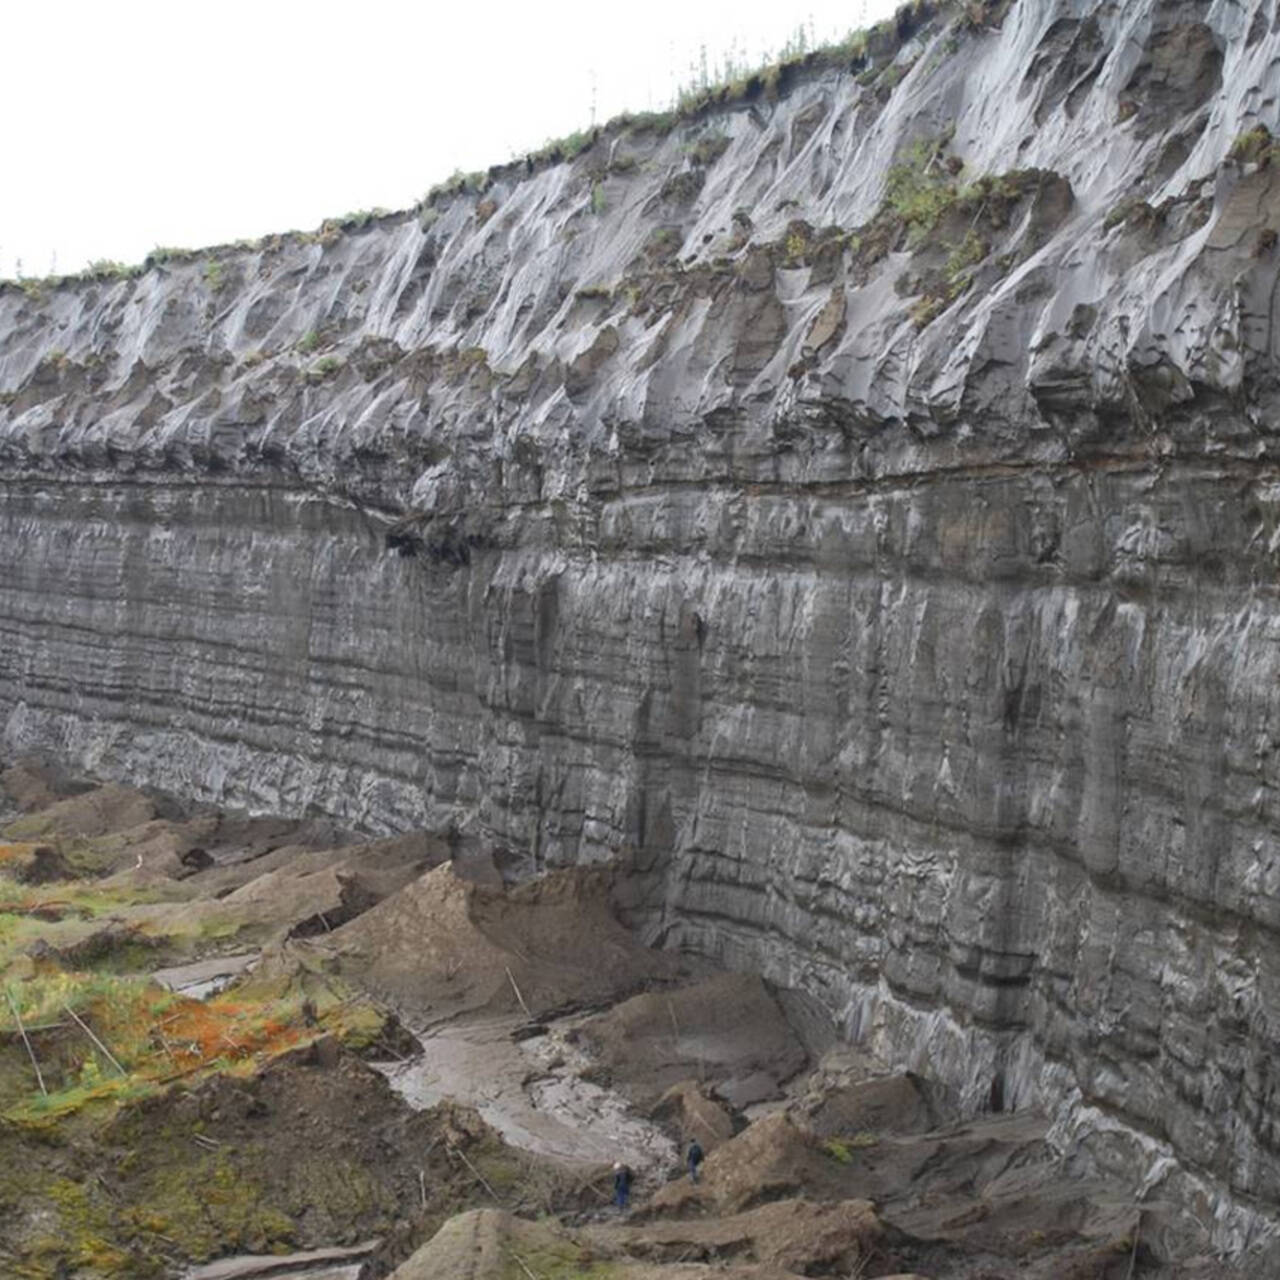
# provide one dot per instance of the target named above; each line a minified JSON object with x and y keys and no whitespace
{"x":880,"y":560}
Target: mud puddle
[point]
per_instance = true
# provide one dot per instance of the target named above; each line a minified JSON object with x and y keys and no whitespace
{"x":532,"y":1091}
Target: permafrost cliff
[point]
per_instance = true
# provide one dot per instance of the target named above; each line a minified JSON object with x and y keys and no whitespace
{"x":857,"y":509}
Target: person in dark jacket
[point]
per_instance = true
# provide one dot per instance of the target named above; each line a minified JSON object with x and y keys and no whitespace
{"x":695,"y":1159}
{"x":622,"y":1176}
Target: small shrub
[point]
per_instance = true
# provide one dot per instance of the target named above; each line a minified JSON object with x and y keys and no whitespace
{"x":841,"y":1149}
{"x":682,"y":188}
{"x":214,"y":275}
{"x":1133,"y":210}
{"x":358,"y":218}
{"x":709,"y":148}
{"x":308,"y":342}
{"x":108,"y":269}
{"x":663,"y":242}
{"x":927,"y":309}
{"x":796,"y":245}
{"x":891,"y":79}
{"x":597,"y":198}
{"x":323,"y":369}
{"x":1254,"y":146}
{"x":920,"y":189}
{"x":167,"y":253}
{"x":968,"y":253}
{"x":659,"y":122}
{"x":576,"y":143}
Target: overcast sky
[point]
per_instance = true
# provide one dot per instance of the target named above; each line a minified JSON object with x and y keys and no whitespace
{"x":133,"y":123}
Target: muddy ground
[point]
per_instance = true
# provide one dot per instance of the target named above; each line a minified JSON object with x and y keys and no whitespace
{"x":270,"y":1048}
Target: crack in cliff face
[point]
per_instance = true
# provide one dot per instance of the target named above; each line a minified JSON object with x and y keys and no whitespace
{"x":856,"y":507}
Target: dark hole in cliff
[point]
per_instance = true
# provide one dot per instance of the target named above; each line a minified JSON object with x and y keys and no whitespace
{"x":1012,"y":707}
{"x":996,"y":1100}
{"x":196,"y":859}
{"x":406,"y":544}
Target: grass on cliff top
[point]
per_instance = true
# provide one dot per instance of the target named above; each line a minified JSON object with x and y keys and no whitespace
{"x":863,"y":51}
{"x":731,"y":82}
{"x":736,"y":81}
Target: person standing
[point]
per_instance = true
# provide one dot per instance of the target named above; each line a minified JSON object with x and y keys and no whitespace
{"x":695,"y":1159}
{"x":622,"y":1176}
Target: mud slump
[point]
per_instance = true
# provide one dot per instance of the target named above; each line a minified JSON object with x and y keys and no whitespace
{"x":437,"y":1081}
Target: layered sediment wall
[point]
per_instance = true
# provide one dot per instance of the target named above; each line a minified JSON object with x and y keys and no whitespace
{"x":856,"y":506}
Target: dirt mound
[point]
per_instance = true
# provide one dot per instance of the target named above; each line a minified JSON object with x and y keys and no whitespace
{"x":443,"y":946}
{"x":97,"y":831}
{"x":487,"y":1244}
{"x":727,"y":1031}
{"x":30,"y":786}
{"x":483,"y":1243}
{"x":772,"y":1159}
{"x":967,"y":1201}
{"x":791,"y":1235}
{"x":95,"y":813}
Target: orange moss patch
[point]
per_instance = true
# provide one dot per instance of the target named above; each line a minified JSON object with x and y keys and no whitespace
{"x":15,"y":858}
{"x":199,"y":1033}
{"x":157,"y":1037}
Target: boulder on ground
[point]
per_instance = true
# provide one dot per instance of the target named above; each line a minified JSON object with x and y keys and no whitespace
{"x":724,"y":1028}
{"x":888,"y":1104}
{"x":688,"y":1112}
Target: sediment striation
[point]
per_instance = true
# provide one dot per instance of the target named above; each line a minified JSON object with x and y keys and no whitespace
{"x":855,"y":506}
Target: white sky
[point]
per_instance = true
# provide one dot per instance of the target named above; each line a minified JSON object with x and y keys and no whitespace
{"x":134,"y":123}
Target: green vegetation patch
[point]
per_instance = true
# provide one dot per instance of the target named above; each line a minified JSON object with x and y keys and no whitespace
{"x":1254,"y":146}
{"x":842,"y":1150}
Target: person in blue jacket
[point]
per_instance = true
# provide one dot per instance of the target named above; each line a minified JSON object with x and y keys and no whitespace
{"x":695,"y":1159}
{"x":622,"y":1176}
